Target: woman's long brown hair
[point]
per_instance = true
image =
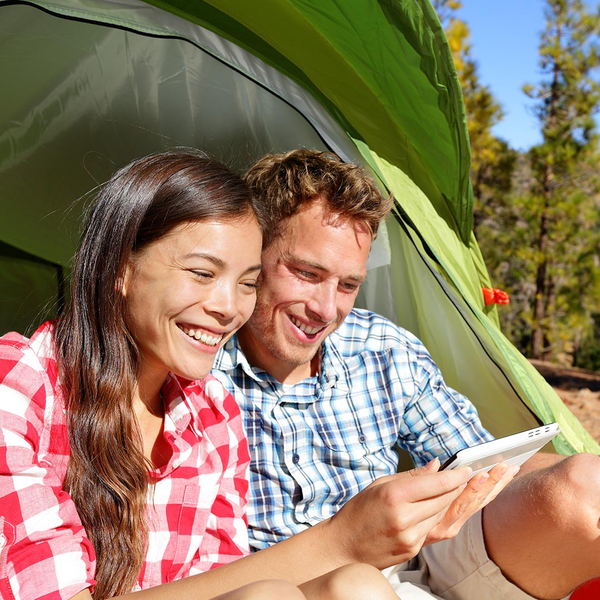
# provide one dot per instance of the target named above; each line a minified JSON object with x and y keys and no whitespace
{"x":107,"y":475}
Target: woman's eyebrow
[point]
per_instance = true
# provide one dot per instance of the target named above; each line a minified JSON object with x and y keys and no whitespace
{"x":213,"y":259}
{"x":218,"y":262}
{"x":254,"y":268}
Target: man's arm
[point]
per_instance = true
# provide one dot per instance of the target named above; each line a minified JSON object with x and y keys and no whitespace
{"x":383,"y":525}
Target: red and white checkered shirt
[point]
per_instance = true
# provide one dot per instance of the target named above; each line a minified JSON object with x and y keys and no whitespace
{"x":195,"y":512}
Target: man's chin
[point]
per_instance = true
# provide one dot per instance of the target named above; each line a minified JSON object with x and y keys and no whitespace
{"x":298,"y":356}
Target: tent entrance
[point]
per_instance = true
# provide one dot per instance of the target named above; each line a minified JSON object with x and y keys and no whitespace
{"x":92,"y":85}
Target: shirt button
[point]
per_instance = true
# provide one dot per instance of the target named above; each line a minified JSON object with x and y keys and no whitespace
{"x":295,"y":459}
{"x":176,"y":463}
{"x":362,"y":439}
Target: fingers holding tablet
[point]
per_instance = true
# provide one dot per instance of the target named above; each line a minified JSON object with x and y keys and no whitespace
{"x":513,"y":450}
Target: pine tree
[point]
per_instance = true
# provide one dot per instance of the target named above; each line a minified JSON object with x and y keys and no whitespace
{"x":564,"y":166}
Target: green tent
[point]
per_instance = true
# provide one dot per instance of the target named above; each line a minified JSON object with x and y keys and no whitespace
{"x":87,"y":85}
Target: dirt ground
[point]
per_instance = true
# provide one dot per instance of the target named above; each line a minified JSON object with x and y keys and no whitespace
{"x":579,"y":390}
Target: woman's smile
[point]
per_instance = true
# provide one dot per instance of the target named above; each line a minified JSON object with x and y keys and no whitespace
{"x":188,"y":292}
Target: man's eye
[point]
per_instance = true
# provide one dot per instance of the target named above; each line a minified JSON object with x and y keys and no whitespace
{"x":350,"y":287}
{"x":305,"y":274}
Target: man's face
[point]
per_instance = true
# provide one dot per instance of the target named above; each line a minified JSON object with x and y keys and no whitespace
{"x":310,"y":278}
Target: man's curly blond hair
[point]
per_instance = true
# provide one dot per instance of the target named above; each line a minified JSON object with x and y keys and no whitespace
{"x":283,"y":183}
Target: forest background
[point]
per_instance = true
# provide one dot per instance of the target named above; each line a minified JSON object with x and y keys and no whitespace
{"x":537,"y":212}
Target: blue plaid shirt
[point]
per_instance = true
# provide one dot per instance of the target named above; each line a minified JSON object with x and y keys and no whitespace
{"x":317,"y":443}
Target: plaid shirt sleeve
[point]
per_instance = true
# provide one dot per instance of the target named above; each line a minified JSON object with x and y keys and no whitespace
{"x":438,"y":420}
{"x":44,"y":551}
{"x":226,"y":535}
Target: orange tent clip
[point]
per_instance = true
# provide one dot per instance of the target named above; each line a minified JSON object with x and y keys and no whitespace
{"x":494,"y":296}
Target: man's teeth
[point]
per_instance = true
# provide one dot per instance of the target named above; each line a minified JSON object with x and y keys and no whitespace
{"x":305,"y":328}
{"x":205,"y":338}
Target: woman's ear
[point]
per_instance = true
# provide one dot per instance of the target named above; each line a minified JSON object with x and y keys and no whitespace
{"x":122,"y":284}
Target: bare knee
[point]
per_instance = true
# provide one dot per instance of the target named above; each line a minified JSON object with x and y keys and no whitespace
{"x":357,"y":582}
{"x":569,"y":492}
{"x":581,"y":471}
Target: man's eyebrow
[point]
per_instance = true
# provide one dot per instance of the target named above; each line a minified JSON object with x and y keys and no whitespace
{"x":217,"y":261}
{"x":356,"y":278}
{"x":319,"y":267}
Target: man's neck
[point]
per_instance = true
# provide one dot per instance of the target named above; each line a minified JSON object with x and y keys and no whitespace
{"x":259,"y":356}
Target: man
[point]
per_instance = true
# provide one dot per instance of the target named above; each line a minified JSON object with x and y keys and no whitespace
{"x":328,"y":392}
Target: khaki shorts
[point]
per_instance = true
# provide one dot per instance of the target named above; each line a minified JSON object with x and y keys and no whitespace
{"x":456,"y":569}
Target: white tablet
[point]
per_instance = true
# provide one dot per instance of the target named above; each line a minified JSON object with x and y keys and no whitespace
{"x":513,"y":450}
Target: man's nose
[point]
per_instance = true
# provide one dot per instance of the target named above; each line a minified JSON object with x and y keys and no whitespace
{"x":323,"y":302}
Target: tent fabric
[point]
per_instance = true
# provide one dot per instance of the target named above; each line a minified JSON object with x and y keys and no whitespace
{"x":91,"y":84}
{"x":383,"y":69}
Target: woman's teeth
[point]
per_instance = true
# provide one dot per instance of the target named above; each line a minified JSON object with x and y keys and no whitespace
{"x":205,"y":338}
{"x":305,"y":328}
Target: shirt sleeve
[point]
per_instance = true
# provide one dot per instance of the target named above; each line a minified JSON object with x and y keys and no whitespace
{"x":44,"y":551}
{"x":226,"y":536}
{"x":437,"y":420}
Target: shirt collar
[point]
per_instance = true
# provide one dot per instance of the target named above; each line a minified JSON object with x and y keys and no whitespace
{"x":331,"y":370}
{"x":175,"y":399}
{"x":231,"y":357}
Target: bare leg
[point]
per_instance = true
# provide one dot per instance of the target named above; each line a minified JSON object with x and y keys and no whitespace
{"x":543,"y":530}
{"x":352,"y":582}
{"x":264,"y":590}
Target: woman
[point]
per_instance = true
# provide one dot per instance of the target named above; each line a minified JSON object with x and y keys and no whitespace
{"x":122,"y":462}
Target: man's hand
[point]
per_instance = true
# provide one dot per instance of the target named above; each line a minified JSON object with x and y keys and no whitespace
{"x":390,"y":520}
{"x":479,"y":492}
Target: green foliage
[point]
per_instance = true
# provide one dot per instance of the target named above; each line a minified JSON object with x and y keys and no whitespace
{"x":537,"y":214}
{"x":588,"y":354}
{"x":564,"y":182}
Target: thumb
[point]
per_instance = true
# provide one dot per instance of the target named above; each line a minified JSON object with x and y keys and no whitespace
{"x":433,"y":466}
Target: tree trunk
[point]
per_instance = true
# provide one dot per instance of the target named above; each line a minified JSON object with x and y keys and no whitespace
{"x":549,"y":344}
{"x":541,"y":283}
{"x":539,"y":306}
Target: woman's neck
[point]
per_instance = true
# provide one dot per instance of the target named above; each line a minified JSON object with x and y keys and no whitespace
{"x":149,"y":411}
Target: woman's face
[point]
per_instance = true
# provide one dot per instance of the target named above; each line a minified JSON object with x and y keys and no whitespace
{"x":188,"y":292}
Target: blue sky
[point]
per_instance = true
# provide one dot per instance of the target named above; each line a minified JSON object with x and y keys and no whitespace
{"x":505,"y":37}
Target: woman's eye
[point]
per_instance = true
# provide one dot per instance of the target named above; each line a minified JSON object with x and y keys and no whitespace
{"x":201,"y":274}
{"x":252,"y":285}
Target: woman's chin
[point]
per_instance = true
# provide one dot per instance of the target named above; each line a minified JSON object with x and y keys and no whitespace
{"x":194,"y":369}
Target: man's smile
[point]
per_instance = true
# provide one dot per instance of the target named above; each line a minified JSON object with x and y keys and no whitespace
{"x":310,"y":331}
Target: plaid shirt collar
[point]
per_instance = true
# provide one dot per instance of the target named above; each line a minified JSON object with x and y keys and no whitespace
{"x":332,"y":370}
